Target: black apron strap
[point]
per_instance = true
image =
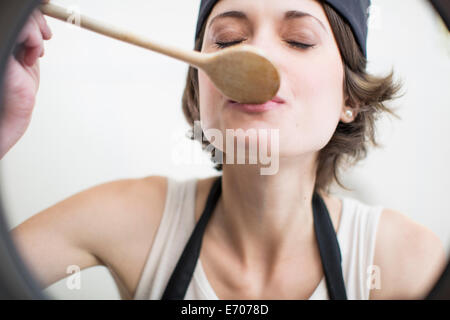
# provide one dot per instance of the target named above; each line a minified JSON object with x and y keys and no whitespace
{"x":330,"y":253}
{"x":326,"y":236}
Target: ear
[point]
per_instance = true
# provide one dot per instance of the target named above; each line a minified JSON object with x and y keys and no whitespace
{"x":345,"y":118}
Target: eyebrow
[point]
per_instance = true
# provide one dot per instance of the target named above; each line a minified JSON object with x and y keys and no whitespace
{"x":289,"y":15}
{"x":293,"y":14}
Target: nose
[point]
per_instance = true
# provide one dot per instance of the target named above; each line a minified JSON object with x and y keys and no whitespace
{"x":268,"y":41}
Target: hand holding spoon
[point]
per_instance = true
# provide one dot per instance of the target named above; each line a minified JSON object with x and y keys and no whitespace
{"x":242,"y":73}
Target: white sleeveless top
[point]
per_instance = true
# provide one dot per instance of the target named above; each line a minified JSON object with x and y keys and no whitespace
{"x":356,"y":236}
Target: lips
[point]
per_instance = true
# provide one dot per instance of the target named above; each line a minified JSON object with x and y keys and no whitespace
{"x":276,"y":99}
{"x":275,"y":103}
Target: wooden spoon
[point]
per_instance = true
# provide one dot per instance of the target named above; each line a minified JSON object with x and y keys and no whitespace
{"x":242,"y":73}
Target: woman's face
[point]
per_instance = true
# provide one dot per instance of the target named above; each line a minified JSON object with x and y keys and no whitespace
{"x":312,"y":78}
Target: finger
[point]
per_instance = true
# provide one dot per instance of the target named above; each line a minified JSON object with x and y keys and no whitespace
{"x":34,"y":38}
{"x":34,"y":46}
{"x":26,"y":29}
{"x":19,"y":52}
{"x":32,"y":55}
{"x":45,"y":29}
{"x":20,"y":49}
{"x":42,"y":51}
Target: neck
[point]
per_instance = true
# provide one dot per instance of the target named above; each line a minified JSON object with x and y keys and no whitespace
{"x":265,"y":216}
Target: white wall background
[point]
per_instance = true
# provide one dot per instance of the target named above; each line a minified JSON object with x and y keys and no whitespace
{"x":107,"y":110}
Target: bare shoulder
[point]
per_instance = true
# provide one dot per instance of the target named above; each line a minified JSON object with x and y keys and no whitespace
{"x":127,"y":205}
{"x":118,"y":225}
{"x":130,"y":227}
{"x":409,"y":255}
{"x":111,"y":224}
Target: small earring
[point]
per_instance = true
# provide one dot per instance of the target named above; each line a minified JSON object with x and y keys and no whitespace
{"x":349,"y":113}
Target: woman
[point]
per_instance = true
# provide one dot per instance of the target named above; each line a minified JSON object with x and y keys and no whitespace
{"x":261,"y":236}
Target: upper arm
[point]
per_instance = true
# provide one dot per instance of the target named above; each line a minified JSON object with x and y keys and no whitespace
{"x":130,"y":229}
{"x":410,"y":258}
{"x":92,"y":227}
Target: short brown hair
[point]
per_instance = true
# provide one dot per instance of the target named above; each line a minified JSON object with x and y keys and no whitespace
{"x":367,"y":95}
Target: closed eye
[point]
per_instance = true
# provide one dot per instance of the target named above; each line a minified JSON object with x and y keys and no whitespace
{"x":294,"y":44}
{"x":299,"y":45}
{"x":228,"y":44}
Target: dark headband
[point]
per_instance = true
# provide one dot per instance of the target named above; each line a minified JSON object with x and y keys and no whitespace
{"x":354,"y":12}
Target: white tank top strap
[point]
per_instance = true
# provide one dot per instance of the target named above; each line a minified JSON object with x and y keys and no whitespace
{"x":176,"y":225}
{"x":357,"y":239}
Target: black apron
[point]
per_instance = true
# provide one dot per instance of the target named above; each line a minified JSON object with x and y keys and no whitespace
{"x":330,"y":253}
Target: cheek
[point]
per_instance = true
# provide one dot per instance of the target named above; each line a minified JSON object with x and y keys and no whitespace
{"x":209,"y":98}
{"x":318,"y":92}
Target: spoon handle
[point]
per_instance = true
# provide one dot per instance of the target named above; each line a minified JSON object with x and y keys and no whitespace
{"x":194,"y":58}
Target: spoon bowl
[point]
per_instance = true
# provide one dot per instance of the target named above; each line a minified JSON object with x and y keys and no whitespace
{"x":243,"y":74}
